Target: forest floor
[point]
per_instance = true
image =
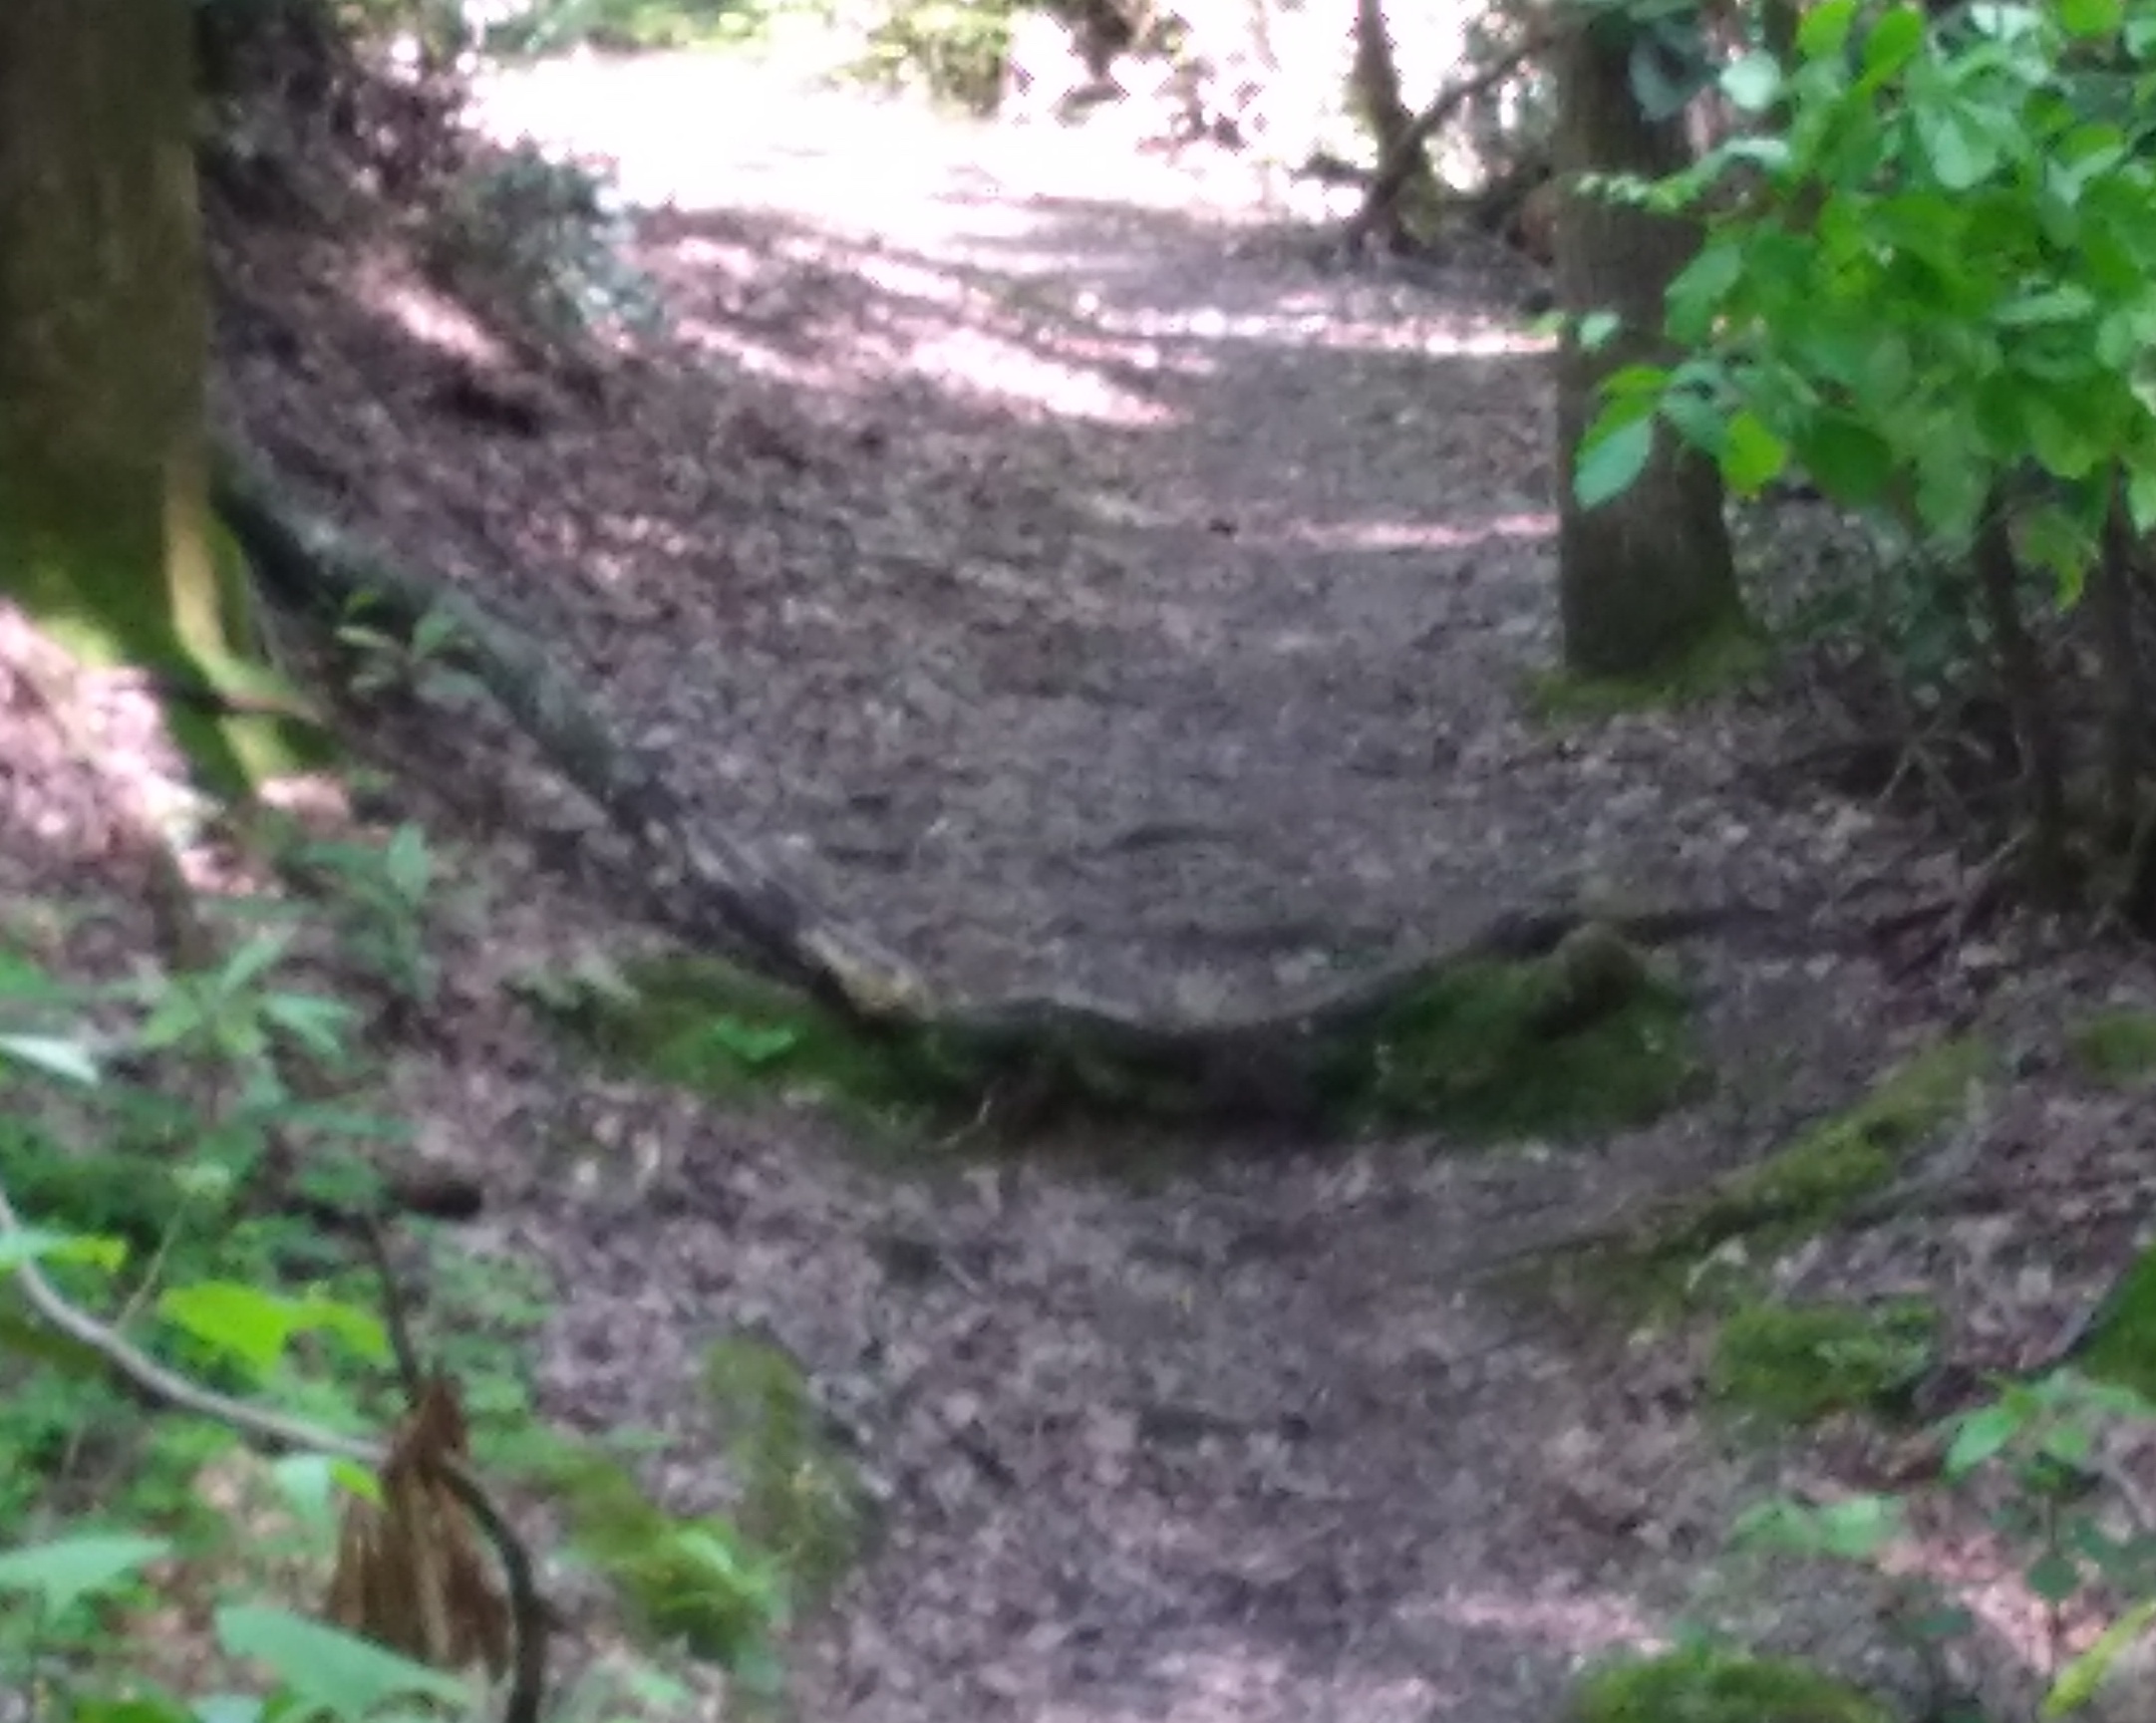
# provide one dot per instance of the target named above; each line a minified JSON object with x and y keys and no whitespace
{"x":1061,"y":574}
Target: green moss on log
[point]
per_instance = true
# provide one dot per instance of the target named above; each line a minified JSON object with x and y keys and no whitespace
{"x":1704,"y":1686}
{"x":1583,"y":1039}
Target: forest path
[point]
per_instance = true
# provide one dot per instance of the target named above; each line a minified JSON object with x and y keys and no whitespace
{"x":1074,"y":585}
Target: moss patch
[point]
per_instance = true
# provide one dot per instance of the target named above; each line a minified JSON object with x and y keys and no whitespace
{"x":1699,"y":1686}
{"x":1725,"y":661}
{"x":713,"y":1028}
{"x":1795,"y":1194}
{"x":2117,"y":1049}
{"x":800,"y":1500}
{"x":1794,"y":1364}
{"x":1585,"y":1040}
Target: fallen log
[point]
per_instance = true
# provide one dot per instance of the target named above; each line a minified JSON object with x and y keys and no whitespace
{"x":1563,"y":970}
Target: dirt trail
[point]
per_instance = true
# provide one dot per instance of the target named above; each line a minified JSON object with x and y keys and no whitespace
{"x":1084,"y":590}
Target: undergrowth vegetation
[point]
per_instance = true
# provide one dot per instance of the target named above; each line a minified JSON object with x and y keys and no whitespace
{"x":190,"y":1163}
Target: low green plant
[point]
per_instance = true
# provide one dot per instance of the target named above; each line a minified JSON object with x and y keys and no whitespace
{"x":2031,"y":1454}
{"x":695,"y":1581}
{"x":422,"y":664}
{"x":378,"y":896}
{"x":1794,"y":1364}
{"x":952,"y":49}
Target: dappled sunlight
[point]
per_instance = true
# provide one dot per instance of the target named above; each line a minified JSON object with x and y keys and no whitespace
{"x":1399,"y":535}
{"x":1579,"y":1626}
{"x":990,"y":368}
{"x":430,"y":318}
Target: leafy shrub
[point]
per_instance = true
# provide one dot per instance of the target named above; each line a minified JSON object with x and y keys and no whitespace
{"x":952,"y":49}
{"x":550,"y":234}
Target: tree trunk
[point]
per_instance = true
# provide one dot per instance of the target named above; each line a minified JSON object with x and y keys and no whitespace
{"x":1646,"y":579}
{"x":106,"y":534}
{"x":1385,"y":111}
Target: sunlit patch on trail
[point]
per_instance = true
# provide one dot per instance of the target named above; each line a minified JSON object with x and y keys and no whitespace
{"x":977,"y":363}
{"x":1366,"y":535}
{"x":1596,"y":1622}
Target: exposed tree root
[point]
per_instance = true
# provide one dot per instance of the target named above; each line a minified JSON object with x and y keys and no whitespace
{"x":1027,"y":1055}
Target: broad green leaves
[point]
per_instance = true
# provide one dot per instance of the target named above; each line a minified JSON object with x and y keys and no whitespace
{"x":329,"y":1673}
{"x":1933,"y":284}
{"x":255,"y":1327}
{"x":61,"y":1575}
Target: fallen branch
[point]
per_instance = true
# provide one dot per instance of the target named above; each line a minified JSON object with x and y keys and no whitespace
{"x":1397,"y":167}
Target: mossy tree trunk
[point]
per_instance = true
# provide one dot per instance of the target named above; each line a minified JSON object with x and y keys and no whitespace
{"x":1647,"y":579}
{"x":105,"y":531}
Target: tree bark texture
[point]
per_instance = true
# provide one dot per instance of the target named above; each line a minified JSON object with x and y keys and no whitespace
{"x":1647,"y":577}
{"x":106,"y":534}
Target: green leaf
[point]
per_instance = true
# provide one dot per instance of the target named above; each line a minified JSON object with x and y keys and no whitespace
{"x":2052,"y":1577}
{"x":2053,"y":539}
{"x":1851,"y":462}
{"x":2065,"y":303}
{"x":1635,"y":383}
{"x":257,"y":1327}
{"x":1753,"y":82}
{"x":61,"y":1575}
{"x":1752,"y":455}
{"x":2063,"y":444}
{"x":2077,"y":1683}
{"x":325,"y":1669}
{"x":70,"y":1060}
{"x":1596,"y":327}
{"x":30,"y":1245}
{"x":257,"y":954}
{"x":243,"y":1322}
{"x":1697,"y":420}
{"x":1861,"y":1526}
{"x":1961,"y":149}
{"x":408,"y":862}
{"x":2141,"y":497}
{"x":1824,"y":32}
{"x":1697,"y":295}
{"x":1981,"y":1436}
{"x":1608,"y":467}
{"x":1893,"y":41}
{"x":2091,"y":17}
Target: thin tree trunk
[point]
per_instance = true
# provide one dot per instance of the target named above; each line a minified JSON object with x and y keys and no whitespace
{"x":2029,"y":698}
{"x":1385,"y":111}
{"x":1646,"y":579}
{"x":2125,"y":694}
